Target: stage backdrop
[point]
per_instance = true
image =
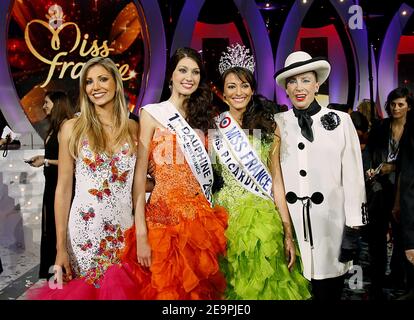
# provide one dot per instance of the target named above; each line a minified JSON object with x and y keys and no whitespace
{"x":49,"y":42}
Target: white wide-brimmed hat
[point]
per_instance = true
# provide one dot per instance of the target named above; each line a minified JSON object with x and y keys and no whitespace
{"x":300,"y":62}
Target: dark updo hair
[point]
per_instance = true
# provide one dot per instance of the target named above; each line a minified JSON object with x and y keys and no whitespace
{"x":260,"y":111}
{"x":198,"y":106}
{"x":400,"y":92}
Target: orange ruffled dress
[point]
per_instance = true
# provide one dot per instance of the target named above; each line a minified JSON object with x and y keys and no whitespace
{"x":186,"y":235}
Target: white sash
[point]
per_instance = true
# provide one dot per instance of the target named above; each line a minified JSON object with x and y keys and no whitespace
{"x":190,"y":143}
{"x":235,"y":152}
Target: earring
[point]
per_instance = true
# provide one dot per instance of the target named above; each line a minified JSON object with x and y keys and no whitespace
{"x":224,"y":97}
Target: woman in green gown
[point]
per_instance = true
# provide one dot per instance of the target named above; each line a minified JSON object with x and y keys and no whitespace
{"x":262,"y":261}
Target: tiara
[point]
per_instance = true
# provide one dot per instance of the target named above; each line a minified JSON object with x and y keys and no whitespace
{"x":236,"y":56}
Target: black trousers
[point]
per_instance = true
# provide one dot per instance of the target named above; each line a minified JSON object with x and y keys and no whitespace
{"x":399,"y":264}
{"x":328,"y":289}
{"x":1,"y":267}
{"x":379,"y":218}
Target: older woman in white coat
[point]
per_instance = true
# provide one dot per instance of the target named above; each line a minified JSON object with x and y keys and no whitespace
{"x":323,"y":175}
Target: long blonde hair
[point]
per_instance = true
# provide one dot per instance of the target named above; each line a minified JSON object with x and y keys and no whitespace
{"x":89,"y":126}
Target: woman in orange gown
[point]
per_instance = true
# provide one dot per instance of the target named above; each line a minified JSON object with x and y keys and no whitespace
{"x":178,"y":236}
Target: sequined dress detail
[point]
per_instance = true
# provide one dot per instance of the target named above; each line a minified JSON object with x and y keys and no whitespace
{"x":186,"y":235}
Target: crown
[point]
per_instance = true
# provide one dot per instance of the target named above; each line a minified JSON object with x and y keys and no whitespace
{"x":236,"y":56}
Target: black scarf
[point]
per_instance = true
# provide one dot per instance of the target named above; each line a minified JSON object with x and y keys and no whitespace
{"x":304,"y":119}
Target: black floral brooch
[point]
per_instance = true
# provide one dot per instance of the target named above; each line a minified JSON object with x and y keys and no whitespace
{"x":330,"y":121}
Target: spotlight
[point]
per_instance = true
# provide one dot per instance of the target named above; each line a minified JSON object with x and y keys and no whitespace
{"x":404,"y":13}
{"x":267,"y":5}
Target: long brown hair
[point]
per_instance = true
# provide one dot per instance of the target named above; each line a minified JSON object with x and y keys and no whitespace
{"x":198,"y":106}
{"x":62,"y":110}
{"x":89,"y":126}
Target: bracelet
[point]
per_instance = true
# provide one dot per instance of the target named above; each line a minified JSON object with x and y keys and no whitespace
{"x":46,"y":162}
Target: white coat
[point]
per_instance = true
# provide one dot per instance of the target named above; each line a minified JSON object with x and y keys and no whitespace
{"x":331,"y":165}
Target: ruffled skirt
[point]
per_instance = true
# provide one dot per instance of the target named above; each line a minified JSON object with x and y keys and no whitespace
{"x":255,"y":266}
{"x":185,"y":252}
{"x":118,"y":283}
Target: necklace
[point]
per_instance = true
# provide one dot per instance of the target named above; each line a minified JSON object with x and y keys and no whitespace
{"x":110,"y":126}
{"x":239,"y":121}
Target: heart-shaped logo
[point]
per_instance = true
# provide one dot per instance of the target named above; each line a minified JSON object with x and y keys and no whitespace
{"x":55,"y":42}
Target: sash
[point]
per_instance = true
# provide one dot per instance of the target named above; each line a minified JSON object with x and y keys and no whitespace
{"x":235,"y":152}
{"x":190,"y":144}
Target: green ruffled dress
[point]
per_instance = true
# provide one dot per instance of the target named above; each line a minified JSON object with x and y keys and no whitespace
{"x":255,"y":265}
